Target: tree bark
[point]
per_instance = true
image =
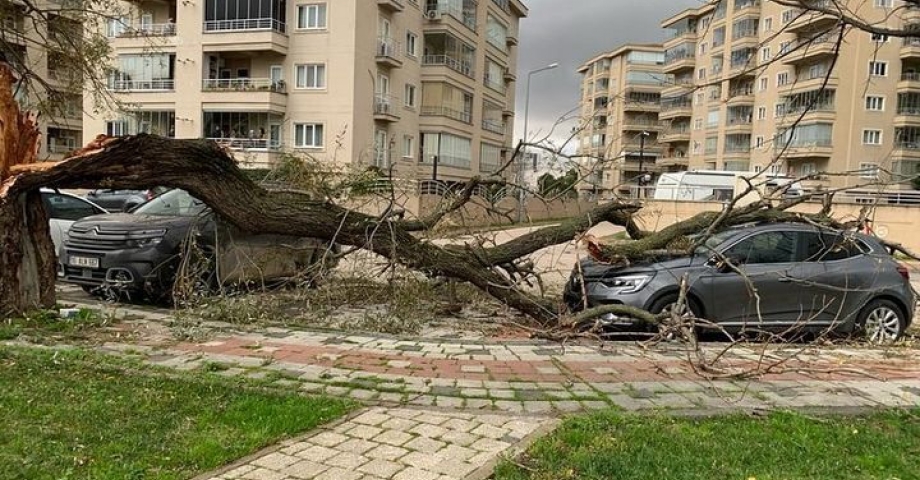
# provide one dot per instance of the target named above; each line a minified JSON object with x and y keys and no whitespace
{"x":27,"y":258}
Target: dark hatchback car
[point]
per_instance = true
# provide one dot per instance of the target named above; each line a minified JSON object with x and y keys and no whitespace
{"x":141,"y":252}
{"x":804,"y":277}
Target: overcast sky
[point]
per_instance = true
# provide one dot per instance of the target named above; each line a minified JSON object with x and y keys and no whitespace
{"x":570,"y":32}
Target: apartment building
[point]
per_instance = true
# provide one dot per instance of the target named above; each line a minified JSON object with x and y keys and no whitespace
{"x":56,"y":88}
{"x":758,"y":85}
{"x":619,"y":145}
{"x":422,"y":86}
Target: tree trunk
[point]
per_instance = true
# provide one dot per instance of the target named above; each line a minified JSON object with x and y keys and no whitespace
{"x":27,"y":257}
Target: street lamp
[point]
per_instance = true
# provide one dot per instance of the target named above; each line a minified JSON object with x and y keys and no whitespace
{"x":520,"y":170}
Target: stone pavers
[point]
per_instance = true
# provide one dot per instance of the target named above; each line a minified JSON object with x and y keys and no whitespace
{"x":394,"y":443}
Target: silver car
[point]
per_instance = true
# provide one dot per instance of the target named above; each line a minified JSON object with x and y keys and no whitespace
{"x":773,"y":278}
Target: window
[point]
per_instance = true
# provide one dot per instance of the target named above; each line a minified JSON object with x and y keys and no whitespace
{"x":698,"y":124}
{"x":764,"y":83}
{"x":700,"y":97}
{"x":782,"y":78}
{"x":308,"y":135}
{"x":411,"y":44}
{"x":784,"y":47}
{"x":878,"y":69}
{"x":65,"y":207}
{"x":779,"y":110}
{"x":765,"y":55}
{"x":311,"y":17}
{"x":703,"y":48}
{"x":712,"y":120}
{"x":312,"y":76}
{"x":761,"y":113}
{"x":829,"y":247}
{"x":701,"y":73}
{"x":696,"y":147}
{"x":884,"y":3}
{"x":116,"y":128}
{"x":496,"y":33}
{"x":116,"y":26}
{"x":875,"y":103}
{"x":758,"y":141}
{"x":768,"y":24}
{"x":408,"y":146}
{"x":789,"y":15}
{"x":872,"y":137}
{"x":879,"y":38}
{"x":768,"y":247}
{"x":808,"y":168}
{"x":868,"y":171}
{"x":410,"y":95}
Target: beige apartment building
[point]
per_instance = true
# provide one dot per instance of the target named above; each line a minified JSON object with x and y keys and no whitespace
{"x":619,"y":145}
{"x":423,"y":86}
{"x":36,"y":47}
{"x":742,"y":73}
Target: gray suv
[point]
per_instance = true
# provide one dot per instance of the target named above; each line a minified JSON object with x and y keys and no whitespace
{"x":772,"y":278}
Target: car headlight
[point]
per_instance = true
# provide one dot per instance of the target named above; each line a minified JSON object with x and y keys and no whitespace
{"x":145,"y":238}
{"x":629,"y":284}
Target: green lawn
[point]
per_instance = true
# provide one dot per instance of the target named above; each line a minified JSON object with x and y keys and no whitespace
{"x":73,"y":415}
{"x":783,"y":446}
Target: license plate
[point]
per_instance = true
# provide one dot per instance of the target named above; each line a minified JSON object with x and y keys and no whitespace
{"x":88,"y":262}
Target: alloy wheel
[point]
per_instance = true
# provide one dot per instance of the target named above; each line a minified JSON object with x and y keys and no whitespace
{"x":883,"y":325}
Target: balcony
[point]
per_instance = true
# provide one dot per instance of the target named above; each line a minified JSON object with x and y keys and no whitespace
{"x":811,"y":81}
{"x":823,"y":113}
{"x":679,"y":61}
{"x":461,"y":66}
{"x":803,"y":20}
{"x":446,"y":15}
{"x":821,"y":148}
{"x":743,"y":7}
{"x":907,"y":150}
{"x":910,"y":48}
{"x":391,"y":5}
{"x":675,"y":134}
{"x":671,"y":110}
{"x":680,"y":35}
{"x":741,"y":96}
{"x":907,"y":116}
{"x":443,"y":111}
{"x":745,"y":38}
{"x":385,"y":108}
{"x":909,"y":81}
{"x":494,"y":126}
{"x":245,"y":35}
{"x":494,"y":83}
{"x":811,"y":50}
{"x":739,"y":125}
{"x":388,"y":52}
{"x":161,"y":85}
{"x":243,"y":94}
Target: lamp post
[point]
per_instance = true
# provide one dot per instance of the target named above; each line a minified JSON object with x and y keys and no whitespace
{"x":520,"y":170}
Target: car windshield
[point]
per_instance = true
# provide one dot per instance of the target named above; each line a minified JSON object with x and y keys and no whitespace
{"x":715,"y":240}
{"x":173,"y":203}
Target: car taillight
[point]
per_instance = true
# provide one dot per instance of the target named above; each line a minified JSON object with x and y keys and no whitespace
{"x":904,"y":271}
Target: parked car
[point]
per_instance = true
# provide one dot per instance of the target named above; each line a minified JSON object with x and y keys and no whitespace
{"x":123,"y":200}
{"x":804,"y":276}
{"x":64,"y":209}
{"x":141,"y":252}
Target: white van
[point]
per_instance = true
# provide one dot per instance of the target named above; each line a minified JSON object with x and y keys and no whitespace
{"x":717,"y":186}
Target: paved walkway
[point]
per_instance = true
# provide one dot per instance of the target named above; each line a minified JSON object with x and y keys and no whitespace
{"x":394,"y":443}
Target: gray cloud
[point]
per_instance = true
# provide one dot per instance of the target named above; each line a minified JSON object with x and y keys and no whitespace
{"x":570,"y":32}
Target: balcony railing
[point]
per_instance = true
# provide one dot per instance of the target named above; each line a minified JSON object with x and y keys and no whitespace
{"x":911,"y":42}
{"x":387,"y":47}
{"x":679,"y":32}
{"x":384,"y":104}
{"x":910,"y":76}
{"x":243,"y":85}
{"x":143,"y":85}
{"x":461,"y":66}
{"x":799,"y":109}
{"x":494,"y":126}
{"x":245,"y":24}
{"x":909,"y":110}
{"x":737,"y":148}
{"x":148,"y":30}
{"x":441,"y":111}
{"x":678,"y":56}
{"x":804,"y":144}
{"x":246,"y":143}
{"x":60,"y":148}
{"x":744,"y":33}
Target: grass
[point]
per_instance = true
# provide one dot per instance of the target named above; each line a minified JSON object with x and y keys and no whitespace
{"x":41,"y":323}
{"x":782,"y":446}
{"x":74,"y":415}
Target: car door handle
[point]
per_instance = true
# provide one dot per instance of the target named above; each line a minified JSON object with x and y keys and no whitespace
{"x":784,"y":279}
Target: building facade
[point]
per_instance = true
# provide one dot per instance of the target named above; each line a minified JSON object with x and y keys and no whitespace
{"x":419,"y":88}
{"x":36,"y":46}
{"x":619,"y":145}
{"x":757,"y":85}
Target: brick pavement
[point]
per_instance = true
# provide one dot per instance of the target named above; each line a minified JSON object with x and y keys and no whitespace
{"x":394,"y":443}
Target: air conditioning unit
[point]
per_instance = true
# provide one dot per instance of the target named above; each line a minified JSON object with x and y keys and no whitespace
{"x":433,"y":15}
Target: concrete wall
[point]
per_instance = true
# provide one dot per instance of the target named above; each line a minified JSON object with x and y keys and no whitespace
{"x":894,"y":223}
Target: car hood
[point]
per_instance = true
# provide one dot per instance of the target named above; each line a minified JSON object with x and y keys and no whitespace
{"x":592,"y":268}
{"x":132,"y":222}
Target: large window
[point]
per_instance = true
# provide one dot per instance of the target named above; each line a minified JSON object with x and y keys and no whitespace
{"x":449,"y":150}
{"x":221,"y":15}
{"x":311,"y":76}
{"x":496,"y":33}
{"x":308,"y":135}
{"x":490,"y":158}
{"x":144,"y":72}
{"x":311,"y":17}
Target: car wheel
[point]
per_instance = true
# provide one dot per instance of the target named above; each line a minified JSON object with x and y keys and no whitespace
{"x":882,"y":322}
{"x":667,"y":303}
